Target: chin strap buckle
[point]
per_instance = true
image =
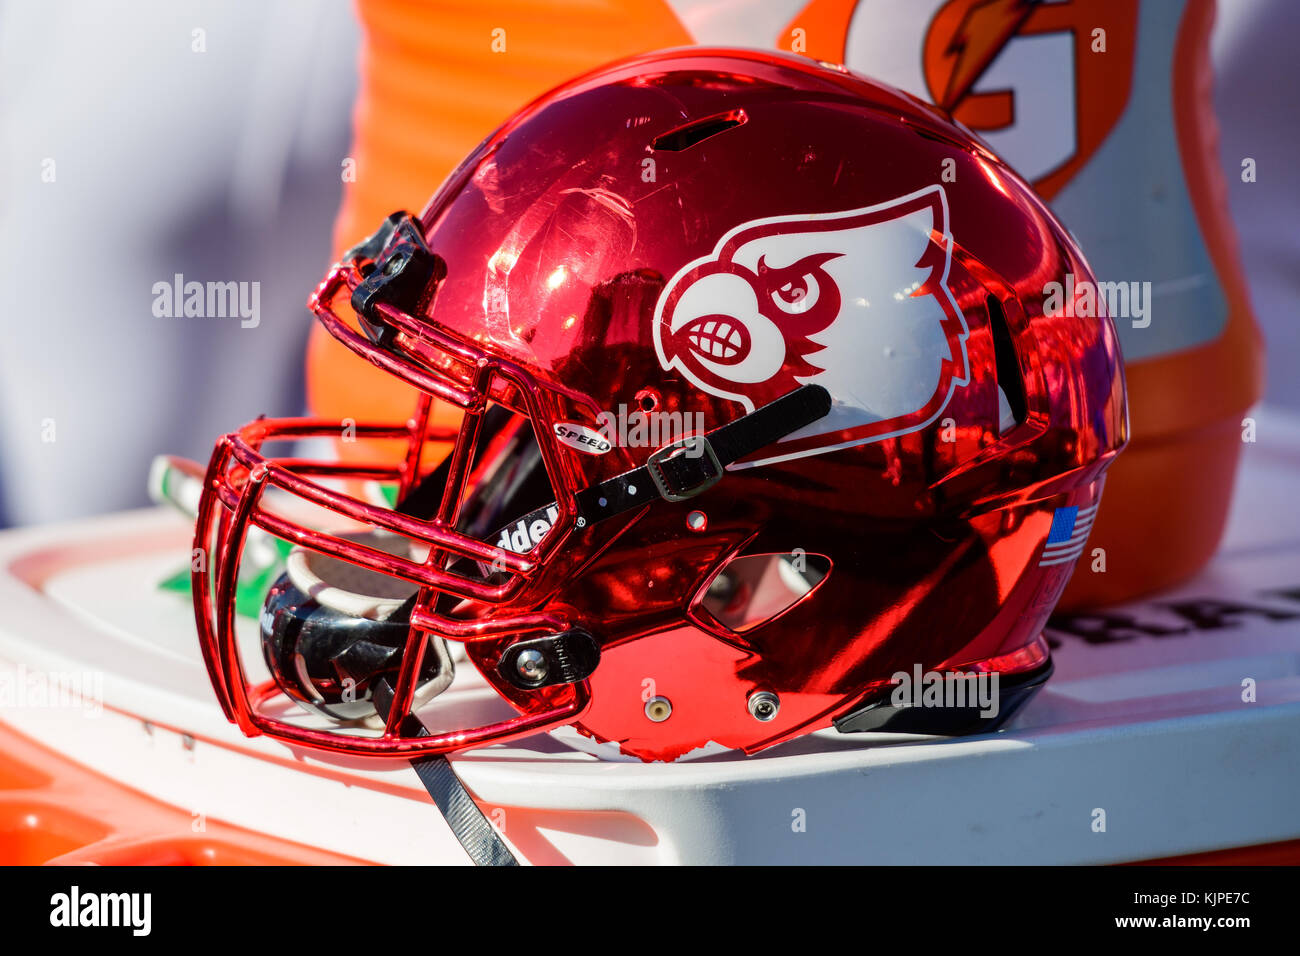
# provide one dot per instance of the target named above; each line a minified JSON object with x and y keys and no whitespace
{"x":693,"y":465}
{"x":684,"y":468}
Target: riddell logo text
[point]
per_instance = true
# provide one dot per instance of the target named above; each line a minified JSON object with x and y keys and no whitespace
{"x":526,"y":533}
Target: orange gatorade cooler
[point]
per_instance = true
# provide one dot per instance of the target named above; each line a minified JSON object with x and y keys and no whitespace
{"x":1104,"y":105}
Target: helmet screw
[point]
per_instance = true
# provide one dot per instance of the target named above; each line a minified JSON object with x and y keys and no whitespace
{"x":531,"y":665}
{"x":763,"y":705}
{"x":658,"y":709}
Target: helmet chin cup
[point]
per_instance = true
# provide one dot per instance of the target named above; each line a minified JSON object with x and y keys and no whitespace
{"x":332,"y":630}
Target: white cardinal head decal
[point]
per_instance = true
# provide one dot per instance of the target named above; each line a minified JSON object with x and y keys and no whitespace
{"x":856,"y":301}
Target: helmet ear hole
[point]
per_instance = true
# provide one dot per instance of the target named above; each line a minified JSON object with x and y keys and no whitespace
{"x":752,"y":589}
{"x":648,"y":400}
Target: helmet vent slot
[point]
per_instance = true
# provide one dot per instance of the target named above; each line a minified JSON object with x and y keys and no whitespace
{"x":694,"y":133}
{"x":1011,"y":382}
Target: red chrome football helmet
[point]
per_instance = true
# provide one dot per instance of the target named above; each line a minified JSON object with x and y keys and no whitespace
{"x":763,"y":401}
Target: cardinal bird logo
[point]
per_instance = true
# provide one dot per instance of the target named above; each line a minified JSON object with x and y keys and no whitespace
{"x":855,"y":301}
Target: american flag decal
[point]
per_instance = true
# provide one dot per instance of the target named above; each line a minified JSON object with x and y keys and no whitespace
{"x":1069,"y":533}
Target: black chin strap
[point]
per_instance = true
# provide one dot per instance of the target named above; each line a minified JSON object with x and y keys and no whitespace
{"x":471,"y":828}
{"x":475,"y":833}
{"x":692,"y":465}
{"x":686,"y":468}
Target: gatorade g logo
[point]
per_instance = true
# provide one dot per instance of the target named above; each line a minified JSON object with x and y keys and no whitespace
{"x":1022,"y":74}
